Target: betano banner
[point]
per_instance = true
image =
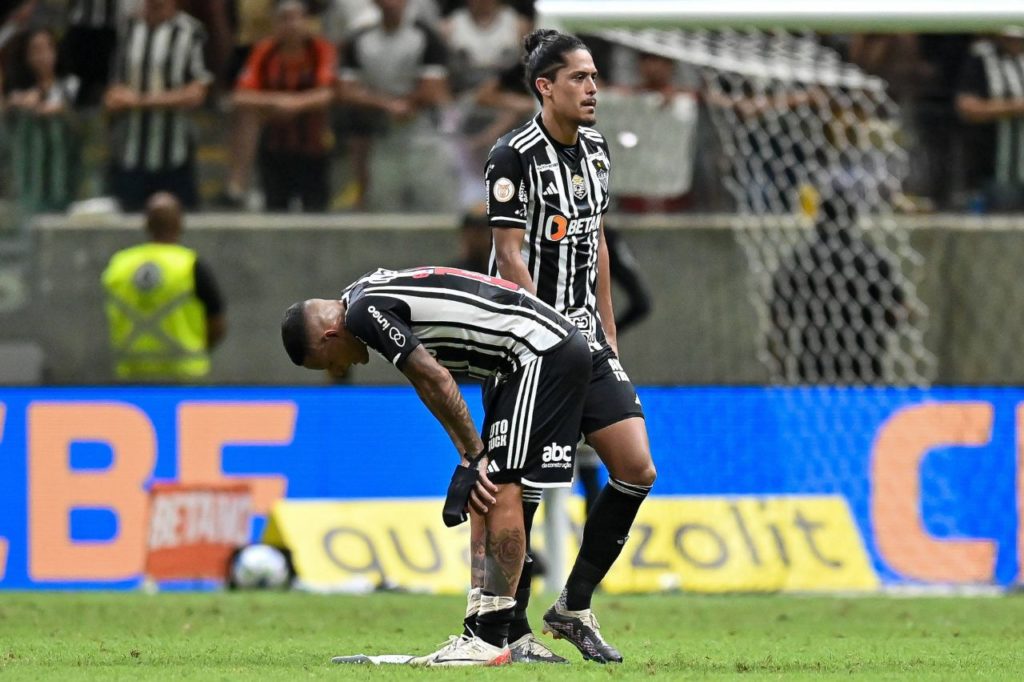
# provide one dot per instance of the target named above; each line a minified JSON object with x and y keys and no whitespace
{"x":758,"y":488}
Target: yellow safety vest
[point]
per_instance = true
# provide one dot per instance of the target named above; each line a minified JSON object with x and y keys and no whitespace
{"x":157,"y":324}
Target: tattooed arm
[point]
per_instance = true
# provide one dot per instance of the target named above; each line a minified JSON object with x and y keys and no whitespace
{"x":439,"y":392}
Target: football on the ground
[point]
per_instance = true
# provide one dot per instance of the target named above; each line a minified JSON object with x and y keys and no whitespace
{"x":259,"y":567}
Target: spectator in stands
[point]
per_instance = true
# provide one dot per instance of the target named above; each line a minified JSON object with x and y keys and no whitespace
{"x":164,"y":307}
{"x":507,"y":96}
{"x":215,"y":16}
{"x":394,"y":73}
{"x":990,"y":97}
{"x":496,"y":106}
{"x":43,"y":141}
{"x":484,"y":38}
{"x":287,"y":87}
{"x":342,"y":18}
{"x":159,"y":75}
{"x":922,"y":88}
{"x":657,"y":77}
{"x":88,"y":45}
{"x":253,"y":21}
{"x":524,"y":8}
{"x":941,"y":141}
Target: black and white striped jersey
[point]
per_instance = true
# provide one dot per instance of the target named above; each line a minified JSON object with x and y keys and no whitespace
{"x":151,"y":60}
{"x":991,"y":72}
{"x":557,"y":194}
{"x":471,"y":323}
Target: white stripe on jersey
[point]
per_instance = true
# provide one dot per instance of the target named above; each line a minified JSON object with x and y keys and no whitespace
{"x":535,"y":385}
{"x":530,"y":132}
{"x":527,"y":139}
{"x":524,"y":336}
{"x":506,"y":355}
{"x":538,"y":234}
{"x":565,"y":250}
{"x":444,"y":298}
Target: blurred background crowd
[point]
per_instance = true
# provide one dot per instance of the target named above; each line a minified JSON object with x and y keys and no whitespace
{"x":392,"y":105}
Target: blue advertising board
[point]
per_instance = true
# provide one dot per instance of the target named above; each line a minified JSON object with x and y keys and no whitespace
{"x":931,"y":477}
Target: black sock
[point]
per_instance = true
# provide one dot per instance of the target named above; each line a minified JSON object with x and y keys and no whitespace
{"x":469,"y":625}
{"x":604,"y":535}
{"x":492,"y":627}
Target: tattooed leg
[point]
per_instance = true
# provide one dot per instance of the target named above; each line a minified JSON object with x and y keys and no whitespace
{"x":503,"y":560}
{"x":506,"y":542}
{"x":477,"y":564}
{"x":477,"y":548}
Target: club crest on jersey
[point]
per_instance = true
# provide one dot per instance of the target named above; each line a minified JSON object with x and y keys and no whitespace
{"x":504,"y":190}
{"x":583,"y":320}
{"x":601,"y":170}
{"x":579,"y":187}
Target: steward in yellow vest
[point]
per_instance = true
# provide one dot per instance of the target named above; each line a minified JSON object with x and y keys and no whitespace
{"x":163,"y":307}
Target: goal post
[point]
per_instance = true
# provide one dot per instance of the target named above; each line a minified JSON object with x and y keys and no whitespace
{"x":841,"y":15}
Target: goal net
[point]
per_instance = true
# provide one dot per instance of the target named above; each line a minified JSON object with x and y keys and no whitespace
{"x":811,"y":157}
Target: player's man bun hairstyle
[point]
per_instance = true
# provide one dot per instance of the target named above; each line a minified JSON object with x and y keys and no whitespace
{"x":545,"y":55}
{"x":293,"y":332}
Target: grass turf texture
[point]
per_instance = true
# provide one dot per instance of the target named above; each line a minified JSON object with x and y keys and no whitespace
{"x":211,"y":636}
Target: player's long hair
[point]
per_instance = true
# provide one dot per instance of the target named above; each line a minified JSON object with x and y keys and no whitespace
{"x":545,"y":55}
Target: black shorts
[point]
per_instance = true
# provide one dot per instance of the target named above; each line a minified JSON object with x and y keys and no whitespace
{"x":611,"y":396}
{"x":532,"y":418}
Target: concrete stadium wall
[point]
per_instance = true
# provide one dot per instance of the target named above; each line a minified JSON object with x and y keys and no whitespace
{"x":703,"y":329}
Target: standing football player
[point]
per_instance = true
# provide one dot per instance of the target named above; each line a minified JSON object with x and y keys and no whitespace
{"x":547,"y":193}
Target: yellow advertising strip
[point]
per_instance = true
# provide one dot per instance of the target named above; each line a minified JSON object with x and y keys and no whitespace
{"x":744,"y":544}
{"x":403,"y":541}
{"x":698,"y":544}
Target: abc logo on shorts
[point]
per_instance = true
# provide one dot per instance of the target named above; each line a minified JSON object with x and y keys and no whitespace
{"x":556,"y":453}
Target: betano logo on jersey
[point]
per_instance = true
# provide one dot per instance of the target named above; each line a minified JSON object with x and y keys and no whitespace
{"x":559,"y":227}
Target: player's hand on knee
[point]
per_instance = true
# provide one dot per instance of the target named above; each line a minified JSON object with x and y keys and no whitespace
{"x":481,"y":499}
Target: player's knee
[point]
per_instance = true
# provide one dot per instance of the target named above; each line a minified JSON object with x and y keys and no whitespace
{"x":647,"y":475}
{"x":640,"y":474}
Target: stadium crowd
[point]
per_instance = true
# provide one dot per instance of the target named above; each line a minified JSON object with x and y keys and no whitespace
{"x":335,"y":105}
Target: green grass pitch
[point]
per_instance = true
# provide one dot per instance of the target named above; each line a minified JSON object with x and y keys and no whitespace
{"x":291,"y":636}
